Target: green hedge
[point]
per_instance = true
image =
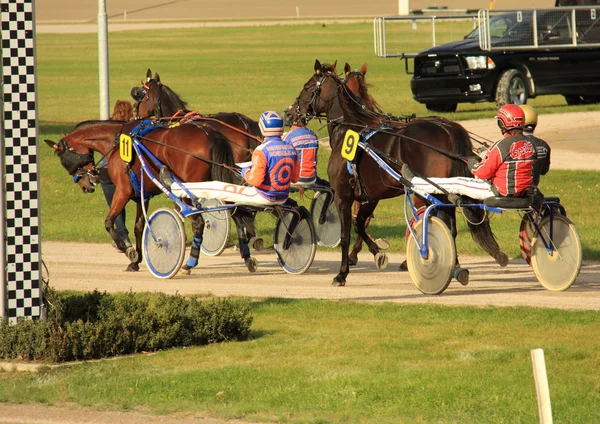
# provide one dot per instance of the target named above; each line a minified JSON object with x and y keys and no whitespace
{"x":98,"y":325}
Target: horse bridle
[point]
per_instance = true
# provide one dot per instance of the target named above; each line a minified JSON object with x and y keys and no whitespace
{"x":75,"y":162}
{"x":306,"y":117}
{"x":317,"y":94}
{"x":139,"y":94}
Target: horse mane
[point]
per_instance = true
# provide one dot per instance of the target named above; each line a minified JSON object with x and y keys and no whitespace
{"x":173,"y":99}
{"x":89,"y":123}
{"x":364,"y":95}
{"x":123,"y":111}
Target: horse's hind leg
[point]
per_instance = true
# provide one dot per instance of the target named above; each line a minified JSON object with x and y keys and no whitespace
{"x":198,"y":233}
{"x":242,"y":219}
{"x":254,"y":241}
{"x":381,"y":243}
{"x":364,"y":214}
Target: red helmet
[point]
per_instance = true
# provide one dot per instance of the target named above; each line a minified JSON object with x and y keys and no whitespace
{"x":511,"y":117}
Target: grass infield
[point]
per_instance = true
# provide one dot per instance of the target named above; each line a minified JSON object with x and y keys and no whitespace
{"x":310,"y":361}
{"x":249,"y":70}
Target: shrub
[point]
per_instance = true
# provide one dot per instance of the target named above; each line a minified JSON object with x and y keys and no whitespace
{"x":97,"y":325}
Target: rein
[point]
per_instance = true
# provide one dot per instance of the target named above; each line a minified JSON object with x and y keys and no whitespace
{"x":195,"y":116}
{"x":230,"y":168}
{"x":341,"y":86}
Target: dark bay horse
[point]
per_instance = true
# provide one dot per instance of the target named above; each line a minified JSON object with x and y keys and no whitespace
{"x":154,"y":98}
{"x":410,"y":142}
{"x":193,"y":152}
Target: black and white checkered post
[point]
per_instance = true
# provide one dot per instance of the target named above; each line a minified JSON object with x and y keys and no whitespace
{"x":22,"y":276}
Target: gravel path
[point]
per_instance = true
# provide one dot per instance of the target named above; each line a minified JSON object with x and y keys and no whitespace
{"x":97,"y":266}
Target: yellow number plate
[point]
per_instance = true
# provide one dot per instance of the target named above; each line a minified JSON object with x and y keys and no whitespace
{"x":350,"y":145}
{"x":126,"y":147}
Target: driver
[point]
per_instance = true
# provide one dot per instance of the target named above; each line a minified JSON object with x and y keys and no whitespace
{"x":273,"y":168}
{"x":306,"y":143}
{"x":506,"y":168}
{"x":542,"y":164}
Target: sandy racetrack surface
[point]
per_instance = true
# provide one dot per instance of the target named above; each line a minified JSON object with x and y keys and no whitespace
{"x":98,"y":266}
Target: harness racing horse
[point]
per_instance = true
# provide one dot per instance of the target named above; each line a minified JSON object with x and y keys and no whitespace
{"x":194,"y":153}
{"x":154,"y":98}
{"x":426,"y":145}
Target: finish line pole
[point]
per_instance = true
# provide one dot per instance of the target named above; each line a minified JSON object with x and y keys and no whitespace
{"x":103,"y":60}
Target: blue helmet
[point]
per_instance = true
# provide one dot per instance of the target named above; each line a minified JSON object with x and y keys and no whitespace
{"x":271,"y":124}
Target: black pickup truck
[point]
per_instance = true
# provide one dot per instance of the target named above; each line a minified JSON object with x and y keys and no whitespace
{"x":525,"y":54}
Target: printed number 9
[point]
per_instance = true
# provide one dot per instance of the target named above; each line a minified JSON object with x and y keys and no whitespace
{"x":350,"y":144}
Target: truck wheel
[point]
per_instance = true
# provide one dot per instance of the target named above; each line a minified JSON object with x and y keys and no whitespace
{"x":511,"y":89}
{"x":573,"y":100}
{"x":441,"y":107}
{"x":591,"y":99}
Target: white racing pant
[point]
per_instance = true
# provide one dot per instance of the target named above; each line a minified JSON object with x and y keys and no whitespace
{"x":227,"y":192}
{"x":465,"y":186}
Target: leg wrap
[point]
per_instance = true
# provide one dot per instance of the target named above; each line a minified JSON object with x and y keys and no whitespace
{"x":195,"y":252}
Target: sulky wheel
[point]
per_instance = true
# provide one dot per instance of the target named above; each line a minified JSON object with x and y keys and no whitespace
{"x":431,"y":275}
{"x":326,"y":221}
{"x":163,"y":243}
{"x":295,"y":243}
{"x":556,"y":270}
{"x":216,"y":228}
{"x":527,"y":229}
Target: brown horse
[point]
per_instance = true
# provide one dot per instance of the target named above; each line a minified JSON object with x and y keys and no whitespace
{"x":193,"y":152}
{"x":426,"y":145}
{"x":154,"y":98}
{"x":122,"y":111}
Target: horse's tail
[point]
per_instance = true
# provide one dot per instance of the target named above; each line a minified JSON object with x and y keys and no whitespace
{"x":221,"y":154}
{"x":461,"y":146}
{"x":477,"y":220}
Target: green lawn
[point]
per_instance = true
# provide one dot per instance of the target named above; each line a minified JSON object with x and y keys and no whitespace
{"x":310,"y":361}
{"x":343,"y":362}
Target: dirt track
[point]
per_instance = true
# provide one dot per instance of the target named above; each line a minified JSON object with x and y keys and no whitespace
{"x":98,"y":266}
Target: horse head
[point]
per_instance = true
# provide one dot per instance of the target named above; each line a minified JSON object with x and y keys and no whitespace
{"x":153,"y":98}
{"x":318,"y":92}
{"x":79,"y":164}
{"x":148,"y":97}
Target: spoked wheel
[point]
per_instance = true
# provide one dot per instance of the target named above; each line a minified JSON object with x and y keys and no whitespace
{"x":295,"y":243}
{"x":527,"y":231}
{"x":216,"y":228}
{"x":326,"y":221}
{"x":556,"y":270}
{"x":431,"y":275}
{"x":163,"y":243}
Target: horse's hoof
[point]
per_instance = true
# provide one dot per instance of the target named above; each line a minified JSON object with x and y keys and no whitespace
{"x":132,"y":254}
{"x":461,"y":275}
{"x":381,"y":261}
{"x":403,"y":267}
{"x":251,"y":264}
{"x":382,"y":243}
{"x":352,"y":260}
{"x":133,"y":267}
{"x":502,"y":259}
{"x":338,"y":281}
{"x":257,"y":243}
{"x":185,"y":270}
